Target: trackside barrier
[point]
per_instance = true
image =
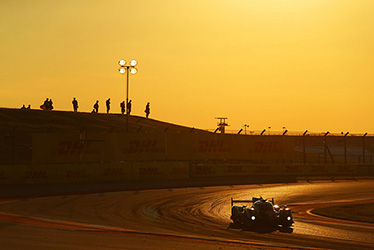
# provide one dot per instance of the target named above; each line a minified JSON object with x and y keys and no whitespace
{"x":165,"y":170}
{"x":221,"y":170}
{"x":114,"y":171}
{"x":26,"y":174}
{"x":83,"y":173}
{"x":160,"y":170}
{"x":365,"y":170}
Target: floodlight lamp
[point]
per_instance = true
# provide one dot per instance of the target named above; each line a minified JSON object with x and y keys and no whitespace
{"x":122,"y":62}
{"x":133,"y":62}
{"x":133,"y":71}
{"x":122,"y":70}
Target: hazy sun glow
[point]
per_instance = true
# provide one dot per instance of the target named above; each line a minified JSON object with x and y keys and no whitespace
{"x":266,"y":63}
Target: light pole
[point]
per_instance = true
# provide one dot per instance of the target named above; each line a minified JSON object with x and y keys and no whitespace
{"x":325,"y":146}
{"x":304,"y":155}
{"x":345,"y":148}
{"x":127,"y":69}
{"x":363,"y":147}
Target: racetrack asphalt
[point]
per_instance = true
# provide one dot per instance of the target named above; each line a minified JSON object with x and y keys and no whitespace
{"x":183,"y":218}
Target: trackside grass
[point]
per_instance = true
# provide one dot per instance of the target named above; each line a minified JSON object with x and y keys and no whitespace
{"x":363,"y":212}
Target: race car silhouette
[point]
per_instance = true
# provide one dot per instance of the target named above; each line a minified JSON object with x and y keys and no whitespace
{"x":262,"y":213}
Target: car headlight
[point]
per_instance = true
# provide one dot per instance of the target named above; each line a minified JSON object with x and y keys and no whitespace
{"x":253,"y":217}
{"x":289,"y":218}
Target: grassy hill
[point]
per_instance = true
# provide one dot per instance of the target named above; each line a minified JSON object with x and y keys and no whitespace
{"x":41,"y":121}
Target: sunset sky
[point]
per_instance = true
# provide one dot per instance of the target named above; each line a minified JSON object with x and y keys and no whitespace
{"x":299,"y":64}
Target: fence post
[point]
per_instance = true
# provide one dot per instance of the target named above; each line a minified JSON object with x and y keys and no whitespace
{"x":363,"y":148}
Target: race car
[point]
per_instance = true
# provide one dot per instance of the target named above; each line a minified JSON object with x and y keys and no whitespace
{"x":262,"y":213}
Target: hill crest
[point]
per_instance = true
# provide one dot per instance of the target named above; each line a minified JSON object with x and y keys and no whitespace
{"x":41,"y":121}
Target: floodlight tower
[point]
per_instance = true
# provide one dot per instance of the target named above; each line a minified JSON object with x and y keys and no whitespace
{"x":127,"y":69}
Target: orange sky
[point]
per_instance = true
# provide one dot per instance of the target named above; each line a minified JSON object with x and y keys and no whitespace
{"x":279,"y":63}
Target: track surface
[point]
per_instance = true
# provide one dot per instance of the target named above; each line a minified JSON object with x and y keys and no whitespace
{"x":186,"y":218}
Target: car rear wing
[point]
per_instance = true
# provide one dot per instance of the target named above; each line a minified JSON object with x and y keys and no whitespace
{"x":254,"y":199}
{"x":239,"y":201}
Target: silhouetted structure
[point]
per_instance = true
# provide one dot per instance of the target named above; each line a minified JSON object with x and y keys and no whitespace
{"x":107,"y":105}
{"x":129,"y":108}
{"x":75,"y":104}
{"x":221,"y":124}
{"x":147,"y":110}
{"x":122,"y":105}
{"x":96,"y":107}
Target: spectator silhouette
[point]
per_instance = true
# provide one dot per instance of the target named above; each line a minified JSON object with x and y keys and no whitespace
{"x":122,"y":105}
{"x":147,"y":110}
{"x":50,"y":105}
{"x":28,"y":107}
{"x":75,"y":104}
{"x":129,"y":108}
{"x":96,"y":107}
{"x":107,"y":105}
{"x":23,"y":106}
{"x":44,"y":106}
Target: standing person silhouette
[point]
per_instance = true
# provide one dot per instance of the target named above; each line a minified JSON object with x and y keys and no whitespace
{"x":129,"y":107}
{"x":44,"y":106}
{"x":50,"y":104}
{"x":75,"y":104}
{"x":96,"y":106}
{"x":122,"y":105}
{"x":107,"y":105}
{"x":147,"y":110}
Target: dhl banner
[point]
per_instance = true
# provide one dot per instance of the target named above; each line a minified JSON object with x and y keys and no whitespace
{"x":111,"y":147}
{"x":255,"y":148}
{"x":160,"y":170}
{"x":136,"y":146}
{"x":97,"y":147}
{"x":69,"y":148}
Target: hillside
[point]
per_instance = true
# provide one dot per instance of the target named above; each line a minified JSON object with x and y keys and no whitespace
{"x":40,"y":121}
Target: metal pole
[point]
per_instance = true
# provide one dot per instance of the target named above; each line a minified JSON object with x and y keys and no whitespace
{"x":345,"y":148}
{"x":363,"y":148}
{"x":304,"y":154}
{"x":325,"y":146}
{"x":324,"y":150}
{"x":127,"y":99}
